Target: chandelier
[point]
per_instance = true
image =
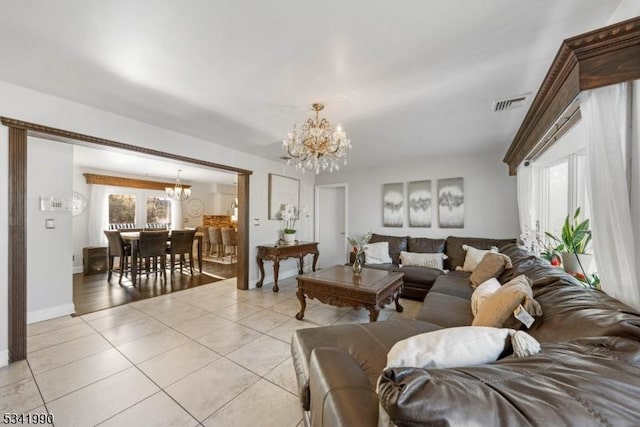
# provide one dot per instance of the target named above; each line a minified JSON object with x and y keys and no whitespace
{"x":178,"y":192}
{"x":317,"y":146}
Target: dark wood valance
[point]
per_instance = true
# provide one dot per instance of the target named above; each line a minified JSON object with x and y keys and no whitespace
{"x":119,"y":181}
{"x":602,"y":57}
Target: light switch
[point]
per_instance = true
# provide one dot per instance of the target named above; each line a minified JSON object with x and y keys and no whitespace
{"x":49,"y":223}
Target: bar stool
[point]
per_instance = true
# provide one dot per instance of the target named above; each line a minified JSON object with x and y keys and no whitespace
{"x":215,"y":239}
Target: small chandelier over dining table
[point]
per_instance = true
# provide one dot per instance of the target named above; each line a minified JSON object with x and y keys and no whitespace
{"x":178,"y":192}
{"x":317,"y":146}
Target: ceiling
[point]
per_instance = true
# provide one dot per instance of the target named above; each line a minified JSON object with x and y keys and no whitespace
{"x":405,"y":79}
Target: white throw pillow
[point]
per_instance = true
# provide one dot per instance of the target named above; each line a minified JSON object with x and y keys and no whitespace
{"x":482,"y":292}
{"x":432,"y":260}
{"x":449,"y":348}
{"x":473,"y":257}
{"x":377,"y":253}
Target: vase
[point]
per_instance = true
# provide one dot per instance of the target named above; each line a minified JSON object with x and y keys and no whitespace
{"x":290,"y":238}
{"x":357,"y":266}
{"x":571,"y":265}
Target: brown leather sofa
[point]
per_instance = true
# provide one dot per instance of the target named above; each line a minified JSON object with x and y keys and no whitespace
{"x":588,"y":372}
{"x":418,"y":280}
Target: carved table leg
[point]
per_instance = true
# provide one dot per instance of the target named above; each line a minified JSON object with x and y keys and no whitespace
{"x":303,"y":303}
{"x":373,"y":314}
{"x":316,"y":254}
{"x":399,"y":308}
{"x":261,"y":268}
{"x":301,"y":269}
{"x":276,"y":269}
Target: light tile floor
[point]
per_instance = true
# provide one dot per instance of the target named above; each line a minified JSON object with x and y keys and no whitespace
{"x":207,"y":356}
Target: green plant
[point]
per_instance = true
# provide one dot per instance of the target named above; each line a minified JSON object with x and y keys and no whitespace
{"x":575,"y":235}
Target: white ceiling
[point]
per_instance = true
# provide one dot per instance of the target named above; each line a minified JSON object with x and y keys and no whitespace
{"x":406,"y":79}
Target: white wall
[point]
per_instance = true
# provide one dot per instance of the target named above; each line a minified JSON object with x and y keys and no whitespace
{"x":489,"y":195}
{"x":49,"y":251}
{"x":626,"y":10}
{"x":32,"y":106}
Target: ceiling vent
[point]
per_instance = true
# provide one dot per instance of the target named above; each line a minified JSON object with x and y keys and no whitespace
{"x":510,"y":103}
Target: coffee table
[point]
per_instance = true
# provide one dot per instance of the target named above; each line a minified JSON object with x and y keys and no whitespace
{"x":338,"y":286}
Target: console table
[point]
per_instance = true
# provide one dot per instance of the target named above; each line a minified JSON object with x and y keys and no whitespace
{"x":279,"y":252}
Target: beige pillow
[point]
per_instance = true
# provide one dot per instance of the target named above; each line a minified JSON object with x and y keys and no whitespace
{"x":498,"y":308}
{"x":431,"y":260}
{"x":492,"y":265}
{"x":473,"y":257}
{"x":482,"y":292}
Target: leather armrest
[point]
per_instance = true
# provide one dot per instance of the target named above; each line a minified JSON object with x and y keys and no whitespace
{"x":341,"y":394}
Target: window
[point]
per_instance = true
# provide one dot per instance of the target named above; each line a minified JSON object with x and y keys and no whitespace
{"x":158,"y":210}
{"x":122,"y":209}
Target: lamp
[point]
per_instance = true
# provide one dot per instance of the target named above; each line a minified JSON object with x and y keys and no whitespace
{"x":177,"y":192}
{"x":318,"y":146}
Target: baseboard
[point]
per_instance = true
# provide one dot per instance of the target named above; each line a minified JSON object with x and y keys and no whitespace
{"x":78,"y":269}
{"x":4,"y":358}
{"x":50,"y":313}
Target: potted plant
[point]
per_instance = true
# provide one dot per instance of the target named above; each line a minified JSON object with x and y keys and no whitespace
{"x":289,"y":215}
{"x":572,"y":244}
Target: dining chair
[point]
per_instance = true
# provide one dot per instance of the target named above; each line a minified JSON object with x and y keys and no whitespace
{"x":117,"y":248}
{"x":152,"y":249}
{"x":181,"y":244}
{"x":230,"y":240}
{"x":205,"y":238}
{"x":215,"y":239}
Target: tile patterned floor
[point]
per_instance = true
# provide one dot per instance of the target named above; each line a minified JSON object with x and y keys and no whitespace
{"x":198,"y":357}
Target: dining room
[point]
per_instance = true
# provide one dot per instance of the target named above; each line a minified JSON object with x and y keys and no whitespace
{"x":121,"y":200}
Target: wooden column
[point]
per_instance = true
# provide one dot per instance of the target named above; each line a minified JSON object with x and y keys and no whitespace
{"x":243,"y":232}
{"x":17,"y":256}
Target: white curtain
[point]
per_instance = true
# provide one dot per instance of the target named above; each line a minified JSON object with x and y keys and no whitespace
{"x":526,"y":191}
{"x":605,"y":113}
{"x":98,"y":215}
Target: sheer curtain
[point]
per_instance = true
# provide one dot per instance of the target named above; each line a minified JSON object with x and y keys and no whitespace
{"x":98,"y":215}
{"x":526,"y":191}
{"x":605,"y":113}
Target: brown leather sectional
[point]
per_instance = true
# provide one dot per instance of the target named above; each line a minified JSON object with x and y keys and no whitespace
{"x":588,"y":372}
{"x":418,"y":280}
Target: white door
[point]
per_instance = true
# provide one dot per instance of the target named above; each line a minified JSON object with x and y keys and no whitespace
{"x":331,"y":227}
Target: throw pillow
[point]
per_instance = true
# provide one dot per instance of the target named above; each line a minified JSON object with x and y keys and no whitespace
{"x":431,"y":260}
{"x":377,"y":253}
{"x":498,"y":308}
{"x":474,"y":256}
{"x":483,"y":292}
{"x":492,"y":265}
{"x":453,"y":347}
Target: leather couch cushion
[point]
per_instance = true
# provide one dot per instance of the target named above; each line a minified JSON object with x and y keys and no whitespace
{"x":425,"y":245}
{"x":386,"y":267}
{"x":446,"y":310}
{"x":582,"y":383}
{"x":456,"y":254}
{"x":396,"y":244}
{"x":367,"y":343}
{"x":455,"y":283}
{"x":419,"y":275}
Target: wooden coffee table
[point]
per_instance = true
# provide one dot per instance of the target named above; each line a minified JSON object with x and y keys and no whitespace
{"x":338,"y":286}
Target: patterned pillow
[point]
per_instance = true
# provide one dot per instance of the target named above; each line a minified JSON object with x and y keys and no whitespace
{"x":422,"y":260}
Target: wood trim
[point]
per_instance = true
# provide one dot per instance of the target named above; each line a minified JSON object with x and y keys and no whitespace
{"x":37,"y":130}
{"x":602,"y":57}
{"x":17,"y":255}
{"x":243,"y":232}
{"x":119,"y":181}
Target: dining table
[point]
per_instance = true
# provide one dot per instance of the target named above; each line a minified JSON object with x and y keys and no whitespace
{"x":133,"y":237}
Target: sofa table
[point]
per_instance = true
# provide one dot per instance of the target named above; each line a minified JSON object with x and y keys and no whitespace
{"x":338,"y":286}
{"x":281,"y":251}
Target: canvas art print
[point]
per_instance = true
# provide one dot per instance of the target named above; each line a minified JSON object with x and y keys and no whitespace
{"x":451,"y":203}
{"x":419,"y":195}
{"x":393,"y":205}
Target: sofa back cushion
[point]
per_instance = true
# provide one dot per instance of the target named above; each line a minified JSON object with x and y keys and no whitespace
{"x":453,"y":248}
{"x":425,"y":245}
{"x":396,"y":245}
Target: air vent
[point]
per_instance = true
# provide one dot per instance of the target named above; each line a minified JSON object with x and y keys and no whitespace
{"x":510,"y":103}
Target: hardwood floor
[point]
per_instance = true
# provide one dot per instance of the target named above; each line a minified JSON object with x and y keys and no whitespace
{"x":93,"y":292}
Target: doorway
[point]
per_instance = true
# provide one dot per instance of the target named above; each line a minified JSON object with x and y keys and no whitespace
{"x":331,"y":223}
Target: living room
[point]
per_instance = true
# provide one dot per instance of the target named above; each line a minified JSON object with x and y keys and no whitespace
{"x":416,"y":108}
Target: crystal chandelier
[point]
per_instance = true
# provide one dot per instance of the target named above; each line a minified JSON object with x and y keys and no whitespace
{"x":317,"y":146}
{"x":178,"y":192}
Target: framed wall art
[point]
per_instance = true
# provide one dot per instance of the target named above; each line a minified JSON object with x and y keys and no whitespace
{"x":451,"y":203}
{"x":282,"y":191}
{"x":419,"y":201}
{"x":393,"y":205}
